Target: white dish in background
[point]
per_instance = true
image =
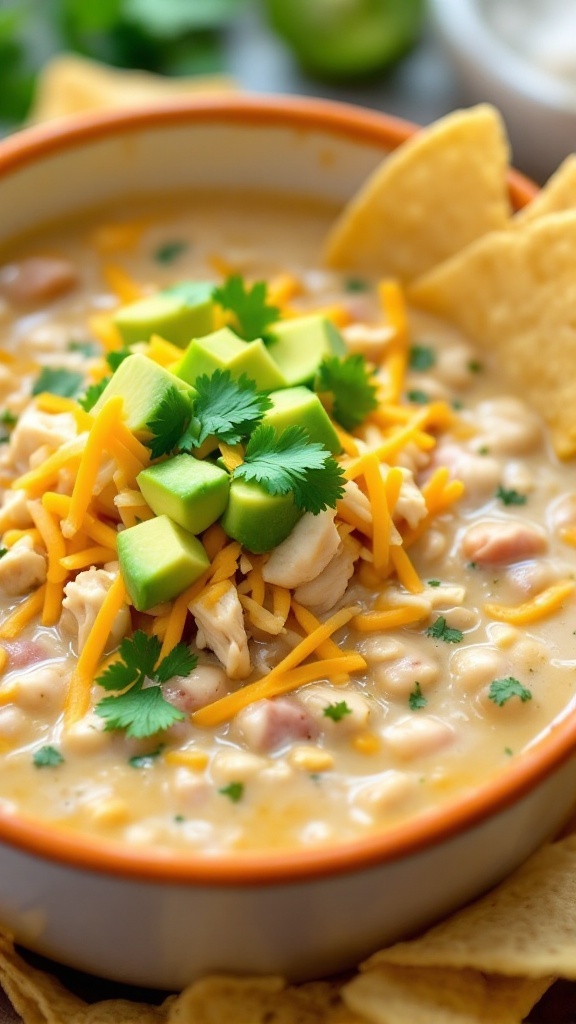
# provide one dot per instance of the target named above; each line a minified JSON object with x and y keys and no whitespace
{"x":519,"y":55}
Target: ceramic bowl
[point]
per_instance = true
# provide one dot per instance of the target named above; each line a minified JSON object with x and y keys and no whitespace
{"x":539,"y":106}
{"x":160,"y":918}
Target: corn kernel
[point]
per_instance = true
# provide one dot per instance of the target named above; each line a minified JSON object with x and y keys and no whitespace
{"x":194,"y":759}
{"x":366,"y":743}
{"x":311,"y":759}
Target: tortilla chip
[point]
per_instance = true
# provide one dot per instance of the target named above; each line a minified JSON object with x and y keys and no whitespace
{"x":412,"y":995}
{"x":525,"y":927}
{"x":515,"y":292}
{"x":122,"y":1011}
{"x":442,"y":189}
{"x":36,"y":996}
{"x":69,"y":84}
{"x":220,"y":999}
{"x":559,"y":193}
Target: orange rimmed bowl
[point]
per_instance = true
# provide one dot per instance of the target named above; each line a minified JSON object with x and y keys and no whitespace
{"x":158,"y":917}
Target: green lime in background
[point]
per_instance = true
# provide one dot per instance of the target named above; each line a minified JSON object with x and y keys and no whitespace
{"x":343,"y":39}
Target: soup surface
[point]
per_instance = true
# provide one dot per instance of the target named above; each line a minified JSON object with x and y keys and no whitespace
{"x":441,"y":578}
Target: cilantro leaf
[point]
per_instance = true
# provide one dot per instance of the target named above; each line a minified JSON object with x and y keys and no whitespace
{"x":416,"y":699}
{"x":142,"y":710}
{"x":439,"y":630}
{"x":501,"y":690}
{"x":418,"y":397}
{"x":116,"y":357}
{"x":8,"y":418}
{"x":58,"y":381}
{"x":3,"y":551}
{"x":92,"y":394}
{"x":289,"y":461}
{"x":47,"y":757}
{"x":510,"y":496}
{"x":421,"y":357}
{"x":178,"y":662}
{"x":170,"y":251}
{"x":234,"y":791}
{"x":351,"y":383}
{"x":434,"y":583}
{"x":145,"y":760}
{"x":90,"y":349}
{"x":249,"y":306}
{"x":230,"y":409}
{"x":337,"y":711}
{"x":169,"y":423}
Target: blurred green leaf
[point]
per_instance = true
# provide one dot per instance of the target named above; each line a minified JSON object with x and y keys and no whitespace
{"x":168,"y":18}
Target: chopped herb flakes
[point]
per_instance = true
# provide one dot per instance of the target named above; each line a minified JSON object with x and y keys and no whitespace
{"x":416,"y":699}
{"x":234,"y":791}
{"x":47,"y":757}
{"x":421,"y":357}
{"x":475,"y":366}
{"x":337,"y":711}
{"x":249,"y":306}
{"x":434,"y":583}
{"x":140,"y":708}
{"x":170,"y":251}
{"x":89,"y":349}
{"x":440,"y":630}
{"x":3,"y":551}
{"x":510,"y":496}
{"x":351,"y":383}
{"x":501,"y":690}
{"x":58,"y":381}
{"x":418,"y":397}
{"x":355,"y":284}
{"x":8,"y":418}
{"x":145,"y":760}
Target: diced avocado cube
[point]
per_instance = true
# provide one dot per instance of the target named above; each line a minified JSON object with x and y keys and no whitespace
{"x":224,"y":350}
{"x":191,"y":491}
{"x":301,"y":407}
{"x":298,"y":346}
{"x":158,"y":560}
{"x":177,"y":314}
{"x":260,"y":521}
{"x":143,"y":384}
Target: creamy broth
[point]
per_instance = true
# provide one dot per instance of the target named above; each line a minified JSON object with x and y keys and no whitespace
{"x":422,"y":722}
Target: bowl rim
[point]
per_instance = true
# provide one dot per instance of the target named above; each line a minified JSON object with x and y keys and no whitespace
{"x":86,"y":852}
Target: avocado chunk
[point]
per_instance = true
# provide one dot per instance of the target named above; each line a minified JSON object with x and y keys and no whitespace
{"x":260,"y":521}
{"x":177,"y":314}
{"x":143,"y":384}
{"x":224,"y":350}
{"x":301,"y":407}
{"x":298,"y":346}
{"x":194,"y":493}
{"x":158,"y":560}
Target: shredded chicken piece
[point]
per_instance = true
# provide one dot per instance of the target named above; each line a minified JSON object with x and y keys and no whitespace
{"x":410,"y":505}
{"x":82,"y":602}
{"x":356,"y":501}
{"x":221,"y":628}
{"x":305,"y":552}
{"x":36,"y":430}
{"x":370,"y":340}
{"x":330,"y":585}
{"x":37,"y":279}
{"x":22,"y":568}
{"x":15,"y":511}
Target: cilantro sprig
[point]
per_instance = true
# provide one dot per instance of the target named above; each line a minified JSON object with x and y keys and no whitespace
{"x":337,"y":711}
{"x":351,"y":386}
{"x":289,"y":461}
{"x":252,"y":312}
{"x":169,"y":423}
{"x":508,"y":496}
{"x":501,"y":690}
{"x":229,"y":409}
{"x":440,"y":630}
{"x":139,"y":708}
{"x":416,"y":698}
{"x":58,"y":380}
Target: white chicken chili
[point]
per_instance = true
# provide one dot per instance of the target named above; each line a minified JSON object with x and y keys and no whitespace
{"x":281,"y":565}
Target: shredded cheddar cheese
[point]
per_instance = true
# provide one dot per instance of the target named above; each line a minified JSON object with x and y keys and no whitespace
{"x":543,"y":604}
{"x":121,"y":284}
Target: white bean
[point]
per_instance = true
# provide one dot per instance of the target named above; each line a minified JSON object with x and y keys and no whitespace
{"x":41,"y":689}
{"x":236,"y":766}
{"x":474,"y":667}
{"x":88,"y":736}
{"x":417,"y":736}
{"x":399,"y":677}
{"x":388,"y":790}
